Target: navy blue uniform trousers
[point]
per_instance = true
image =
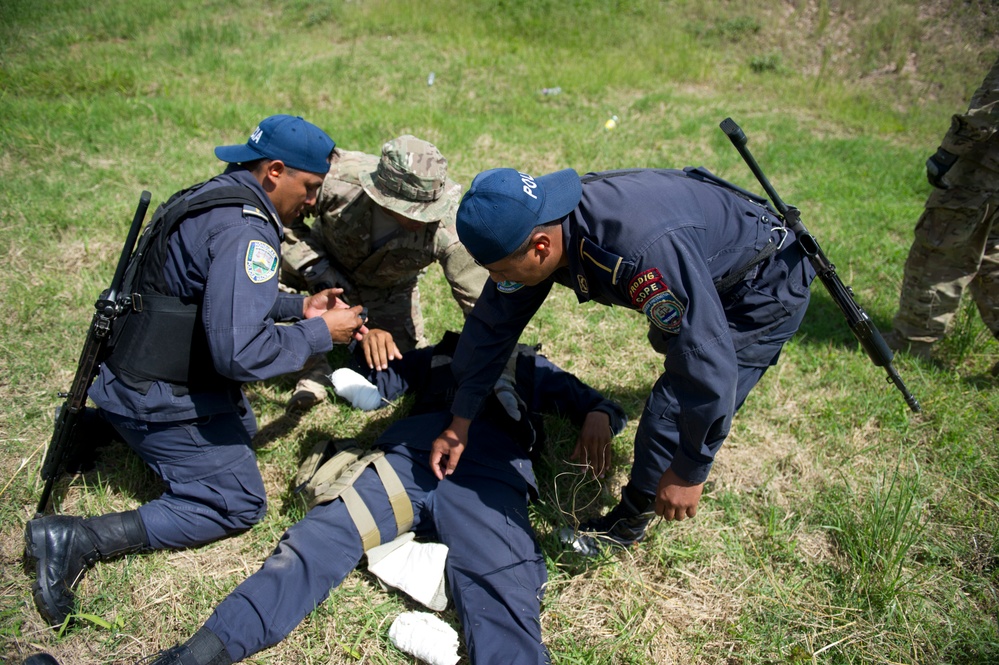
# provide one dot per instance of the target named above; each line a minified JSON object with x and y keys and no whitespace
{"x":213,"y":484}
{"x":494,"y":566}
{"x":658,"y":435}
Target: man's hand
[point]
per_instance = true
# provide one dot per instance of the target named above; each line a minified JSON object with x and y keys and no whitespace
{"x":448,"y":447}
{"x":677,"y":498}
{"x":319,"y":303}
{"x":345,"y":324}
{"x":593,"y":446}
{"x":379,"y":348}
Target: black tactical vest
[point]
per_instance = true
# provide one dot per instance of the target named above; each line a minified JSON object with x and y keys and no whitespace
{"x":159,"y":337}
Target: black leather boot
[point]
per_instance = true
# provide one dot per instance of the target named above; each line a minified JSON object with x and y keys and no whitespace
{"x":205,"y":648}
{"x":625,"y":525}
{"x":40,"y":659}
{"x":63,"y":547}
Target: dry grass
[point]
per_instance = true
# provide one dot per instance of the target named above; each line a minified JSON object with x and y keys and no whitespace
{"x":757,"y":577}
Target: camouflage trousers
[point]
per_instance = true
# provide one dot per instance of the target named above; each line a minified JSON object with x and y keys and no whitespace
{"x":956,"y":247}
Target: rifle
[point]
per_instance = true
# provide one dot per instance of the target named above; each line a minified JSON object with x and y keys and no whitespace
{"x":863,"y":328}
{"x":109,"y":306}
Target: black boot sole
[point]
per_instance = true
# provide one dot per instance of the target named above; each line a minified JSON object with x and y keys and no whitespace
{"x":36,"y":553}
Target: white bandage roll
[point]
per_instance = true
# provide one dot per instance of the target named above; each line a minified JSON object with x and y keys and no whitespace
{"x":361,"y":393}
{"x":426,"y":637}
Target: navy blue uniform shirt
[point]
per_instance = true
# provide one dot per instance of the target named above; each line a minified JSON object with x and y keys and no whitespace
{"x":656,"y":241}
{"x":554,"y":391}
{"x":217,"y":257}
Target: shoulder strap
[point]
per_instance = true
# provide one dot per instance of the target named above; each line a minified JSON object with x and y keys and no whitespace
{"x":703,"y":175}
{"x":155,"y":337}
{"x":218,"y":197}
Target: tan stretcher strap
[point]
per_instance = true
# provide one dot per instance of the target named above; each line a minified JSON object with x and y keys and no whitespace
{"x":336,"y":478}
{"x":363,"y":520}
{"x":402,"y":507}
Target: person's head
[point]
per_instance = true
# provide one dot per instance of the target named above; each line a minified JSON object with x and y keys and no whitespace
{"x":510,"y":222}
{"x":289,"y":157}
{"x":411,"y":182}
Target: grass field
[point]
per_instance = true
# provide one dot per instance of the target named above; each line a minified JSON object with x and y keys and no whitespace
{"x":836,"y":527}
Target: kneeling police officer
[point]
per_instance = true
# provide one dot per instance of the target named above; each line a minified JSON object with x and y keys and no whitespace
{"x":204,"y":306}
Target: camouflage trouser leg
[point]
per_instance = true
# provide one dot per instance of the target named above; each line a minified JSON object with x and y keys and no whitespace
{"x":985,"y":286}
{"x":396,"y":310}
{"x":955,"y":245}
{"x":311,"y":386}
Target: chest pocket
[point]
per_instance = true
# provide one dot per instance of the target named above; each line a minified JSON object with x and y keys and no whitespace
{"x":602,"y":274}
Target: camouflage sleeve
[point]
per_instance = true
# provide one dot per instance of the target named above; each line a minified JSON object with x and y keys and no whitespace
{"x":981,"y":120}
{"x":342,"y":184}
{"x":299,"y":249}
{"x":340,"y":187}
{"x":464,"y":275}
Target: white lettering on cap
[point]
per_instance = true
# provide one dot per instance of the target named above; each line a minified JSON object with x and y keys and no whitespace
{"x":255,"y":136}
{"x":529,"y":185}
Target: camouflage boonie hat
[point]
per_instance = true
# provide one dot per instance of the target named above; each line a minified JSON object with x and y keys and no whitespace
{"x":411,"y":179}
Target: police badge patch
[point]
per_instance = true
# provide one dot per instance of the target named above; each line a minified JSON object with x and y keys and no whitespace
{"x":508,"y":286}
{"x":261,"y":261}
{"x":665,"y":311}
{"x":649,"y":293}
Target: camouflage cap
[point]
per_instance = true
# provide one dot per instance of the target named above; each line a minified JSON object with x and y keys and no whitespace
{"x":411,"y":179}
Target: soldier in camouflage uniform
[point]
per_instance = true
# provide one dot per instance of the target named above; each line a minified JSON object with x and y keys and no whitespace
{"x":957,"y":238}
{"x":379,"y":223}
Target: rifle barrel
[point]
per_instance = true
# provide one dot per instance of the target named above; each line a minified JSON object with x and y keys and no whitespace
{"x":860,"y":324}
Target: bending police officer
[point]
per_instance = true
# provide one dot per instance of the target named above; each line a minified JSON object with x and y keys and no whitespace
{"x":717,"y":276}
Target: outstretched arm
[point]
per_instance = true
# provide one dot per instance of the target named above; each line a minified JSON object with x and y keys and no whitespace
{"x":599,"y":419}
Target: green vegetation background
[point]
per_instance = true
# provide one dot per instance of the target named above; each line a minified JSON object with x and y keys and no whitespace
{"x":837,"y":527}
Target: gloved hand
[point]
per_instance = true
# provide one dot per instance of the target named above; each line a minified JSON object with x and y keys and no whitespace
{"x":321,"y":276}
{"x":937,"y":166}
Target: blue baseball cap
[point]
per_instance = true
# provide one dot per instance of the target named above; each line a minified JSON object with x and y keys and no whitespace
{"x":299,"y":144}
{"x":503,"y":206}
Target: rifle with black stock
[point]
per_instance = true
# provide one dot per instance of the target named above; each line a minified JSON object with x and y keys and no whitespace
{"x":863,"y":328}
{"x":109,"y":305}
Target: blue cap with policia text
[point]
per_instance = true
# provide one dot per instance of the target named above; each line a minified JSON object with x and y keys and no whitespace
{"x":503,"y":206}
{"x":296,"y":142}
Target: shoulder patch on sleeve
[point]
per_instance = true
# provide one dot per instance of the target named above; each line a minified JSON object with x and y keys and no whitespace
{"x":254,"y":211}
{"x":261,"y":261}
{"x":650,"y":293}
{"x":509,"y":287}
{"x":665,"y":311}
{"x":644,"y":285}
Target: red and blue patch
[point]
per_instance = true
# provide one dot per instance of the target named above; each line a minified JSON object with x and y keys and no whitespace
{"x":649,"y":293}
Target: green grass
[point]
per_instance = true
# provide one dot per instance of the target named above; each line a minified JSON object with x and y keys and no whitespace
{"x":836,"y":527}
